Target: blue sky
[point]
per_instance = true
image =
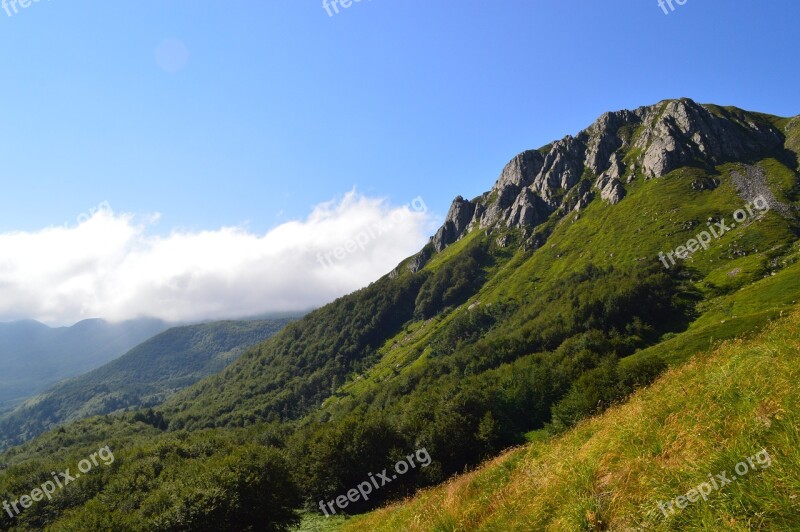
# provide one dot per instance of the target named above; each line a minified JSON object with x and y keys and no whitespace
{"x":251,"y":113}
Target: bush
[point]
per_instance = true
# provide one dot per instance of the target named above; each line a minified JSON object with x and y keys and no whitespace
{"x":599,"y":388}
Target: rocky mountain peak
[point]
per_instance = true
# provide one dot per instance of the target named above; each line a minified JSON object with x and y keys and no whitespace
{"x":618,"y":147}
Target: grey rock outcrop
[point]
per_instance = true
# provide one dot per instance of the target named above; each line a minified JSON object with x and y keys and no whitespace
{"x":609,"y":185}
{"x":521,"y":171}
{"x":561,"y":171}
{"x":680,"y":132}
{"x":455,"y":224}
{"x":528,"y":210}
{"x":604,"y":140}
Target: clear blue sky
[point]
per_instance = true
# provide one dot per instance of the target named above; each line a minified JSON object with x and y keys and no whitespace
{"x":280,"y":107}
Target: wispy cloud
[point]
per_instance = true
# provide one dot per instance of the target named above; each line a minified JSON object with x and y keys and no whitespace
{"x":111,"y":265}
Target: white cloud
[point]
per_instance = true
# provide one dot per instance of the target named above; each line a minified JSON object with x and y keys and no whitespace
{"x":111,"y":266}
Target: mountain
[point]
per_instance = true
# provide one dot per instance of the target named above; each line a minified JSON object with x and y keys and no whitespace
{"x":36,"y":356}
{"x":616,"y":150}
{"x":547,"y":239}
{"x":145,"y":376}
{"x":592,"y":265}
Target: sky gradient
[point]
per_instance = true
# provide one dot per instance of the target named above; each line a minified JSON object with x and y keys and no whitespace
{"x":192,"y":118}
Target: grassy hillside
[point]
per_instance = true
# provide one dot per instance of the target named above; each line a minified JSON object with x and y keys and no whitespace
{"x":610,"y":472}
{"x":144,"y":377}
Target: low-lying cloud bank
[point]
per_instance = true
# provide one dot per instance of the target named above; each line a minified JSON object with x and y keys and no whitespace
{"x":109,"y":266}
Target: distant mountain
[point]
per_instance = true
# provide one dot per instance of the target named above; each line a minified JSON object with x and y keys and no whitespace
{"x":34,"y":356}
{"x":145,"y":376}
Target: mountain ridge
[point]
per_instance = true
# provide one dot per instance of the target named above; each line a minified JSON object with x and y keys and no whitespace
{"x":36,"y":355}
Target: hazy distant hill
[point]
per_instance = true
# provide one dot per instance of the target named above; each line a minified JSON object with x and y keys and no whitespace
{"x":145,"y":376}
{"x":34,"y":356}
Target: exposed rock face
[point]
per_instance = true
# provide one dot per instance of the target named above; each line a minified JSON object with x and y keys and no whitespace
{"x":521,"y":171}
{"x":608,"y":183}
{"x":455,"y":224}
{"x":528,"y":210}
{"x":417,"y":262}
{"x":562,"y":169}
{"x":604,"y":140}
{"x":649,"y":142}
{"x":683,"y":131}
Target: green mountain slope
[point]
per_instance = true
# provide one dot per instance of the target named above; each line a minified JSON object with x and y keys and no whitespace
{"x":611,"y":472}
{"x":144,"y":377}
{"x":539,"y":303}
